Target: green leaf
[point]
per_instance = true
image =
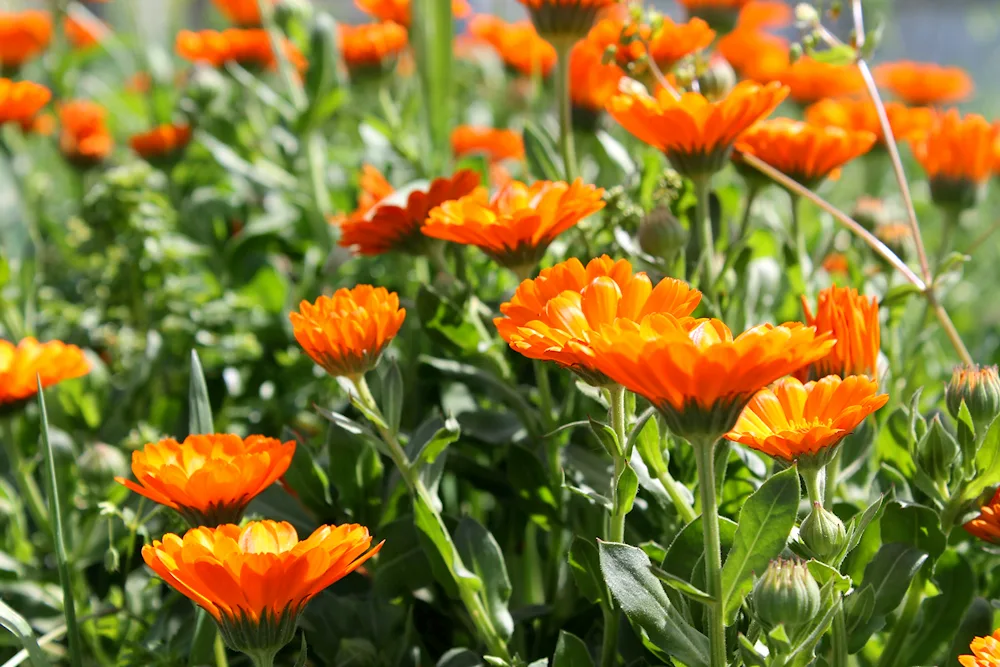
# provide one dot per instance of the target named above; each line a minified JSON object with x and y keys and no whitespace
{"x":841,"y":54}
{"x":571,"y":652}
{"x":540,"y":151}
{"x":392,"y":396}
{"x":627,"y":487}
{"x":616,"y":152}
{"x":977,"y":622}
{"x":460,"y":657}
{"x":482,"y":555}
{"x":202,"y":638}
{"x":429,"y":522}
{"x":765,"y":522}
{"x":748,"y":651}
{"x":685,"y":556}
{"x":431,"y":439}
{"x":607,"y":437}
{"x":987,"y":462}
{"x":858,"y":607}
{"x":307,"y":478}
{"x":890,"y":573}
{"x":823,"y":573}
{"x":199,"y":406}
{"x":857,"y":528}
{"x":18,"y":626}
{"x":915,"y":525}
{"x":431,"y":35}
{"x":447,"y":321}
{"x":956,"y":582}
{"x":626,"y":571}
{"x":681,"y":586}
{"x":300,"y":661}
{"x":966,"y":433}
{"x":585,"y":566}
{"x":403,"y":565}
{"x":322,"y":77}
{"x":646,"y":436}
{"x":530,"y":482}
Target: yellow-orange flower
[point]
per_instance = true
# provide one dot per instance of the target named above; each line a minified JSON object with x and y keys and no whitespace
{"x":986,"y":526}
{"x":83,"y":32}
{"x":795,"y":422}
{"x":562,"y":20}
{"x":810,"y":80}
{"x":852,"y":320}
{"x":722,"y":15}
{"x":394,"y":222}
{"x":755,"y":55}
{"x":346,"y":333}
{"x":495,"y":144}
{"x":162,"y":141}
{"x":807,"y":153}
{"x":398,"y":11}
{"x":84,"y":138}
{"x":208,"y":479}
{"x":20,"y":101}
{"x":924,"y":84}
{"x":985,"y":652}
{"x":906,"y":122}
{"x":591,"y":82}
{"x":256,"y":580}
{"x":23,"y":35}
{"x":371,"y":46}
{"x":518,"y":44}
{"x":249,"y":48}
{"x":958,"y":155}
{"x":669,"y":44}
{"x":54,"y":361}
{"x":553,"y":316}
{"x":517,"y":225}
{"x":695,"y":372}
{"x":696,"y":135}
{"x":244,"y":13}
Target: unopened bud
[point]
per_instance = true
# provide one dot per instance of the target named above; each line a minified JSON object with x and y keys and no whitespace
{"x":717,"y":79}
{"x":806,"y":16}
{"x":661,"y":234}
{"x":101,"y":463}
{"x":823,"y":533}
{"x":937,"y":451}
{"x":979,"y":387}
{"x":786,"y":595}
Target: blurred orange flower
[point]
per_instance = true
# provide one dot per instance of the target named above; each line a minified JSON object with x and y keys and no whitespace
{"x":398,"y":11}
{"x":565,"y":20}
{"x":54,"y":361}
{"x":517,"y":225}
{"x":495,"y":144}
{"x":208,"y":479}
{"x":906,"y":122}
{"x":668,"y":45}
{"x":958,"y":149}
{"x":23,"y":35}
{"x":249,"y":48}
{"x":591,"y":82}
{"x":372,"y":45}
{"x":346,"y":333}
{"x":924,"y":84}
{"x":373,"y":189}
{"x":553,"y":316}
{"x":755,"y":55}
{"x":696,"y":135}
{"x":161,"y":141}
{"x":20,"y":101}
{"x":84,"y":32}
{"x":139,"y":83}
{"x":810,"y":80}
{"x":852,"y":320}
{"x":517,"y":44}
{"x":836,"y":263}
{"x":985,"y":652}
{"x":807,"y":153}
{"x":84,"y":138}
{"x":986,"y":526}
{"x":244,"y":13}
{"x":759,"y":14}
{"x":394,"y":223}
{"x":795,"y":422}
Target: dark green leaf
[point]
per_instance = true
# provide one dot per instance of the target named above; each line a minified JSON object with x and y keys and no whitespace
{"x":681,"y":585}
{"x":956,"y":580}
{"x":199,"y":406}
{"x":915,"y":525}
{"x":530,"y":483}
{"x":977,"y":622}
{"x":628,"y":486}
{"x":646,"y":435}
{"x":585,"y":565}
{"x":300,"y":661}
{"x":403,"y":565}
{"x":607,"y":437}
{"x":482,"y":555}
{"x":571,"y":652}
{"x":18,"y":626}
{"x":685,"y":556}
{"x":541,"y":153}
{"x":308,"y":479}
{"x":890,"y":572}
{"x":431,"y":439}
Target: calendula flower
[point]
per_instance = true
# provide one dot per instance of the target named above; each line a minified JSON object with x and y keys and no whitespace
{"x":162,"y":141}
{"x":958,"y":155}
{"x":759,"y":14}
{"x":373,"y":189}
{"x":495,"y":144}
{"x":84,"y":32}
{"x":803,"y":423}
{"x":898,"y":236}
{"x":852,"y":320}
{"x":249,"y":48}
{"x":591,"y":82}
{"x":667,"y":45}
{"x":372,"y":47}
{"x":244,"y":13}
{"x":84,"y":138}
{"x":23,"y":36}
{"x":518,"y":44}
{"x":811,"y":80}
{"x":924,"y":84}
{"x":836,"y":263}
{"x":986,"y":527}
{"x":517,"y":225}
{"x":755,"y":55}
{"x":346,"y":333}
{"x":20,"y":101}
{"x":807,"y":153}
{"x":985,"y":652}
{"x":208,"y":479}
{"x":564,"y":21}
{"x":906,"y":122}
{"x":53,"y":361}
{"x":394,"y":223}
{"x":256,"y":580}
{"x":398,"y":11}
{"x":722,"y":15}
{"x":697,"y":135}
{"x":553,"y":316}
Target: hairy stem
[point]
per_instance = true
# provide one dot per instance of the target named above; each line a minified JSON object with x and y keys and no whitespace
{"x":705,"y":458}
{"x":566,"y":141}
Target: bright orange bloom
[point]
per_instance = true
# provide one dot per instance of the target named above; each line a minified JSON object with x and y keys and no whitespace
{"x":924,"y":84}
{"x":398,"y":11}
{"x":722,"y":15}
{"x":561,"y":20}
{"x":372,"y":45}
{"x":249,"y":48}
{"x":346,"y":333}
{"x":958,"y":149}
{"x":986,"y":526}
{"x":374,"y":188}
{"x":84,"y":32}
{"x":21,"y":101}
{"x":811,"y":80}
{"x":985,"y":652}
{"x":755,"y":55}
{"x":208,"y":479}
{"x":23,"y":35}
{"x":591,"y":82}
{"x":668,"y":45}
{"x":54,"y":361}
{"x":852,"y":320}
{"x":84,"y":138}
{"x":517,"y":44}
{"x":792,"y":421}
{"x":256,"y":580}
{"x":696,"y":135}
{"x":836,"y":263}
{"x":394,"y":223}
{"x":517,"y":225}
{"x":161,"y":141}
{"x":495,"y":144}
{"x":764,"y":14}
{"x":43,"y":124}
{"x":906,"y":122}
{"x":553,"y":316}
{"x":244,"y":13}
{"x":695,"y":372}
{"x":807,"y":153}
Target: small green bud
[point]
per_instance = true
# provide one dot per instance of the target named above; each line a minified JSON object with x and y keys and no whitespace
{"x":823,"y":533}
{"x":806,"y":16}
{"x":786,"y":595}
{"x":937,"y":451}
{"x":661,"y":234}
{"x":101,"y":463}
{"x":112,"y":559}
{"x":287,"y":11}
{"x":205,"y":85}
{"x":717,"y":79}
{"x":979,"y":387}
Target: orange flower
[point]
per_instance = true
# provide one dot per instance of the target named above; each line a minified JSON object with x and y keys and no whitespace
{"x":346,"y":333}
{"x":162,"y":141}
{"x":986,"y":526}
{"x":553,"y":316}
{"x":517,"y":44}
{"x":759,"y":14}
{"x":836,"y":263}
{"x":565,"y":20}
{"x":23,"y":35}
{"x":810,"y":80}
{"x":84,"y":138}
{"x":985,"y":652}
{"x":668,"y":45}
{"x":84,"y":32}
{"x":394,"y":222}
{"x":371,"y":46}
{"x":139,"y":83}
{"x":495,"y":144}
{"x":924,"y":84}
{"x":518,"y":224}
{"x":256,"y":580}
{"x":398,"y":11}
{"x":852,"y":320}
{"x":696,"y":134}
{"x":249,"y":48}
{"x":244,"y":13}
{"x":906,"y":122}
{"x":795,"y":422}
{"x":695,"y":372}
{"x":54,"y":361}
{"x":807,"y":153}
{"x":208,"y":479}
{"x":755,"y":55}
{"x":958,"y":156}
{"x":591,"y":82}
{"x":722,"y":15}
{"x":374,"y":188}
{"x":21,"y":101}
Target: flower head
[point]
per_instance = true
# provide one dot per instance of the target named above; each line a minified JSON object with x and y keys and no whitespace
{"x":796,"y":422}
{"x":553,"y":316}
{"x":517,"y":225}
{"x":985,"y":652}
{"x":394,"y":223}
{"x":562,"y":20}
{"x":374,"y":188}
{"x":244,"y":13}
{"x":161,"y":141}
{"x":371,"y":47}
{"x":695,"y":372}
{"x":958,"y":155}
{"x":978,"y":387}
{"x":398,"y":11}
{"x":591,"y":82}
{"x":759,"y":14}
{"x":986,"y":526}
{"x":256,"y":580}
{"x":54,"y":362}
{"x":23,"y":36}
{"x":836,"y":263}
{"x":811,"y":80}
{"x":755,"y":55}
{"x":20,"y":101}
{"x":495,"y":144}
{"x":518,"y":44}
{"x":249,"y":48}
{"x":84,"y":138}
{"x":924,"y":84}
{"x":905,"y":122}
{"x":209,"y":479}
{"x":852,"y":320}
{"x":697,"y":135}
{"x":346,"y":333}
{"x":722,"y":15}
{"x":84,"y":32}
{"x":667,"y":45}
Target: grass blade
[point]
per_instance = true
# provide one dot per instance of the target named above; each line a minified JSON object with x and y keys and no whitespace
{"x":199,"y":407}
{"x":20,"y":628}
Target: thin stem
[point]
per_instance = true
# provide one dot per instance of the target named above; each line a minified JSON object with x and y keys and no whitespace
{"x":949,"y":223}
{"x":566,"y":146}
{"x":706,"y":238}
{"x":545,"y":396}
{"x":616,"y":532}
{"x":838,"y":638}
{"x":893,"y":652}
{"x":752,"y":193}
{"x":220,"y":652}
{"x":685,"y":510}
{"x":815,"y":479}
{"x":981,"y":239}
{"x":832,"y":479}
{"x":801,"y":248}
{"x":609,"y":643}
{"x":705,"y":458}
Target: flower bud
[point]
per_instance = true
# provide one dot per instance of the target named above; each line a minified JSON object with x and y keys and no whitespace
{"x":717,"y":79}
{"x":937,"y":451}
{"x":979,"y":387}
{"x":786,"y":595}
{"x":101,"y":463}
{"x":206,"y":85}
{"x":823,"y":533}
{"x":661,"y":234}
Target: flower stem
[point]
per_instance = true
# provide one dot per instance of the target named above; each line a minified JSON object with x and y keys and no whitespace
{"x":220,"y":653}
{"x":616,"y":522}
{"x":705,"y":458}
{"x":949,"y":225}
{"x":685,"y":510}
{"x":566,"y":146}
{"x":706,"y":239}
{"x":894,"y":649}
{"x":752,"y":193}
{"x":832,"y":479}
{"x":814,"y":479}
{"x":838,"y":638}
{"x":609,"y":643}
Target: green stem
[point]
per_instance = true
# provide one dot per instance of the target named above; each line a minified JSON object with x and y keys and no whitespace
{"x":894,"y":649}
{"x":563,"y":49}
{"x":545,"y":401}
{"x":706,"y":238}
{"x":948,"y":227}
{"x":801,"y":248}
{"x":745,"y":220}
{"x":705,"y":458}
{"x":685,"y":510}
{"x":609,"y":643}
{"x":24,"y":479}
{"x":815,"y":479}
{"x":220,"y":653}
{"x":838,"y":638}
{"x":616,"y":531}
{"x":832,"y":479}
